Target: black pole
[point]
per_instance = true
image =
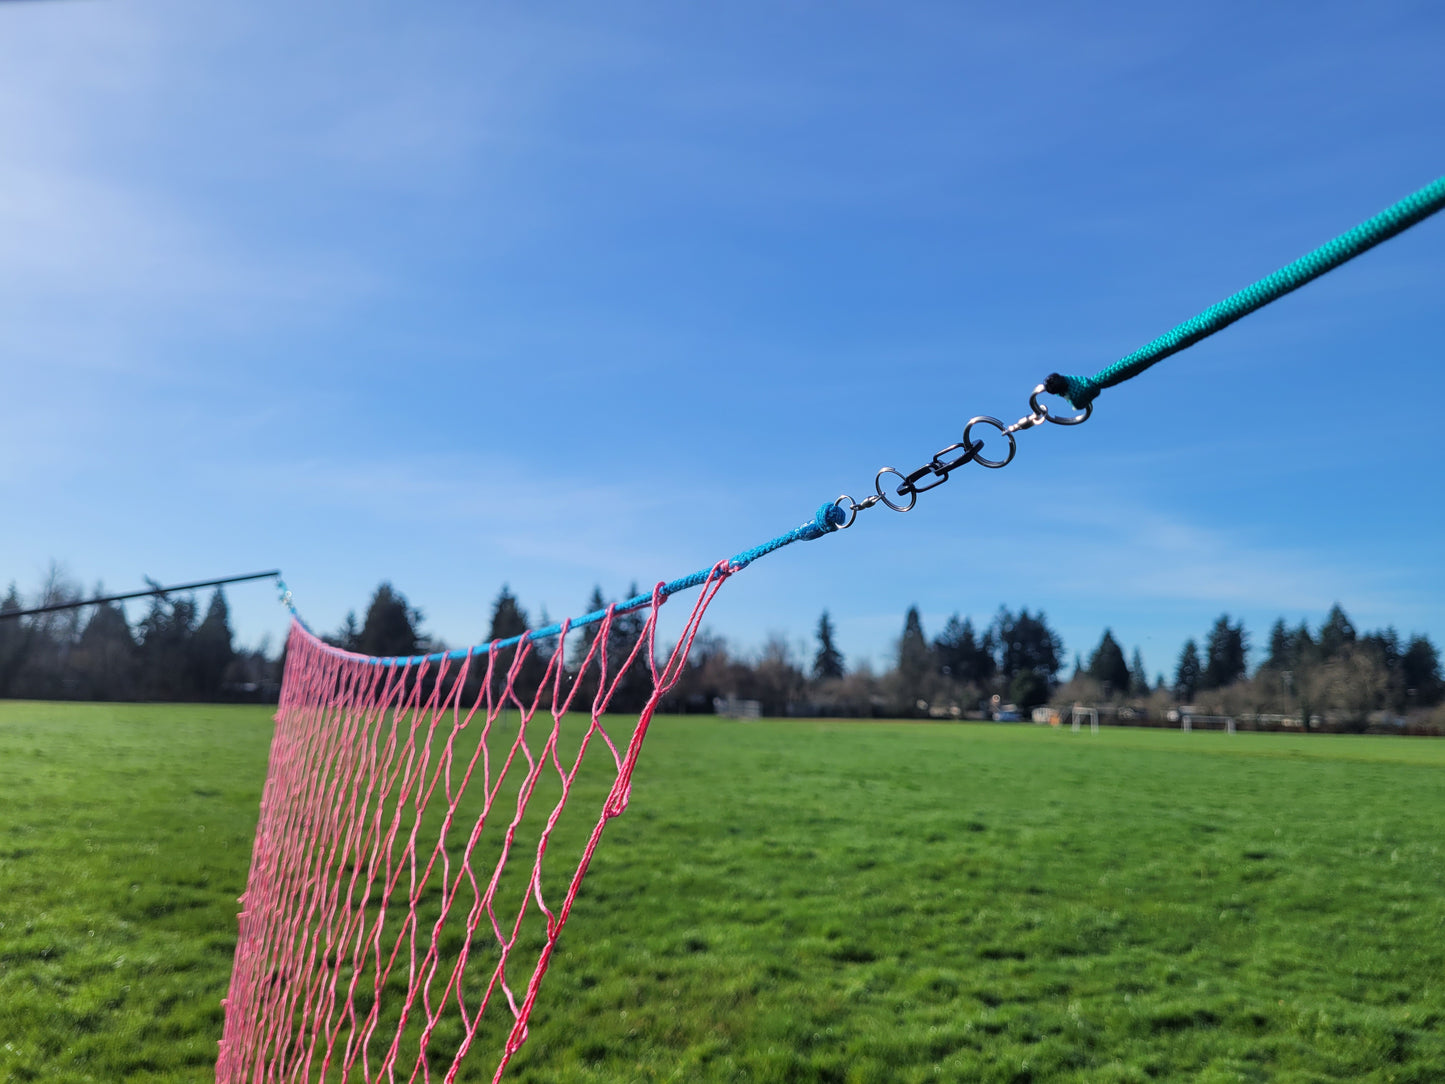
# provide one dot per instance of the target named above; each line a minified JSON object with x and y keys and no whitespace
{"x":275,"y":573}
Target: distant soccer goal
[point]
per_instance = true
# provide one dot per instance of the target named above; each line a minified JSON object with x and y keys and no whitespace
{"x":730,"y":707}
{"x":1080,"y":714}
{"x":1189,"y":720}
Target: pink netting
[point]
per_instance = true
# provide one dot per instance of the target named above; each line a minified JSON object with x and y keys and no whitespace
{"x":410,"y":840}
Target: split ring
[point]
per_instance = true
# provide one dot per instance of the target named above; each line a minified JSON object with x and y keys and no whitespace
{"x":878,"y":488}
{"x":1039,"y":408}
{"x":992,"y":464}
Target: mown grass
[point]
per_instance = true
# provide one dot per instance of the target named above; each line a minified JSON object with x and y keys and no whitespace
{"x":800,"y":901}
{"x":125,"y":836}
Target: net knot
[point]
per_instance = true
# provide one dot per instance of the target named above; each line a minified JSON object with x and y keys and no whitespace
{"x":517,"y":1038}
{"x":618,"y":805}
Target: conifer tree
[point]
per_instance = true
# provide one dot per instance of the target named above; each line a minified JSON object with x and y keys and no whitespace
{"x":210,"y":648}
{"x":1225,"y":655}
{"x":1186,"y":673}
{"x":349,"y":637}
{"x":1025,"y":642}
{"x":959,"y":655}
{"x":508,"y":617}
{"x":914,"y":660}
{"x":633,"y":685}
{"x":12,"y":640}
{"x":1138,"y":676}
{"x":588,"y":633}
{"x":390,"y":628}
{"x":510,"y":620}
{"x":1281,"y":647}
{"x":164,"y":651}
{"x":1302,"y":648}
{"x":105,"y":657}
{"x":828,"y":663}
{"x":1420,"y":671}
{"x":1336,"y":634}
{"x":1107,"y":665}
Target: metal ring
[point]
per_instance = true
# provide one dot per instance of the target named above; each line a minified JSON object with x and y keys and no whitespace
{"x":1039,"y":408}
{"x":852,"y":510}
{"x":1013,"y":445}
{"x":878,"y":488}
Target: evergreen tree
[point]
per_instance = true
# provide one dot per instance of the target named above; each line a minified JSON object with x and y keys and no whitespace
{"x":105,"y":657}
{"x":508,"y":617}
{"x":349,"y":638}
{"x":1029,"y":655}
{"x":630,"y":625}
{"x":544,"y":647}
{"x":1336,"y":634}
{"x":828,"y":663}
{"x":391,"y":626}
{"x":1281,"y":648}
{"x":1302,"y":648}
{"x":914,"y":660}
{"x":1224,"y":655}
{"x":1186,"y":674}
{"x":210,"y":648}
{"x":588,"y":633}
{"x":587,"y":636}
{"x":1420,"y":671}
{"x":509,"y":620}
{"x":1138,"y":676}
{"x":959,"y":655}
{"x":635,"y":684}
{"x":1107,"y":665}
{"x":164,"y":651}
{"x":986,"y":660}
{"x":12,"y":640}
{"x":1384,"y":645}
{"x":1025,"y":642}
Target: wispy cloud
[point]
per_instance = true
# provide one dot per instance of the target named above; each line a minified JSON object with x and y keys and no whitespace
{"x":1117,"y":550}
{"x":499,"y":507}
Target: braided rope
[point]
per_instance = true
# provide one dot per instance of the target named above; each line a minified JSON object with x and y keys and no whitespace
{"x":1414,"y":208}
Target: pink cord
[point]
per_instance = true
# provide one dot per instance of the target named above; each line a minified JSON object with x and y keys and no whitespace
{"x":342,"y":861}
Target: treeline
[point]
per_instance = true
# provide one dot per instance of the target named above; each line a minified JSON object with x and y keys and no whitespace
{"x":1334,"y":677}
{"x":174,"y":652}
{"x":1344,"y":676}
{"x":392,"y":627}
{"x":1011,"y":663}
{"x":1014,"y":660}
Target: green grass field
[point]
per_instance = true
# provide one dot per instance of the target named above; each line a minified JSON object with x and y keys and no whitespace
{"x":803,"y":901}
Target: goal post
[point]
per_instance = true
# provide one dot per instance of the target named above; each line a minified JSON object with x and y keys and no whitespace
{"x":1079,"y":714}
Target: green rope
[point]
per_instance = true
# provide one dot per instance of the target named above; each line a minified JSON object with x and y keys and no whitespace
{"x":1081,"y":390}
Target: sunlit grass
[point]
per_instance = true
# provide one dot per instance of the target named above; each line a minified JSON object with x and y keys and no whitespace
{"x":799,"y":901}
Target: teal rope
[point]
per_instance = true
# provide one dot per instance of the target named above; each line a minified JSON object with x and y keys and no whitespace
{"x":827,"y":519}
{"x":1417,"y":207}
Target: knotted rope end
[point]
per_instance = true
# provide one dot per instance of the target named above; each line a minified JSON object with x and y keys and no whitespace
{"x":1078,"y":390}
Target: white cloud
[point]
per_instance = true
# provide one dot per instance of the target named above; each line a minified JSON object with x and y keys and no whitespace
{"x":1129,"y":555}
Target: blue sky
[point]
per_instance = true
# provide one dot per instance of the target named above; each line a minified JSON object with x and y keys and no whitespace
{"x":456,"y":295}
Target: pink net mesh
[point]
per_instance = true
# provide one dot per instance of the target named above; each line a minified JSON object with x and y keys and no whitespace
{"x":424,"y":831}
